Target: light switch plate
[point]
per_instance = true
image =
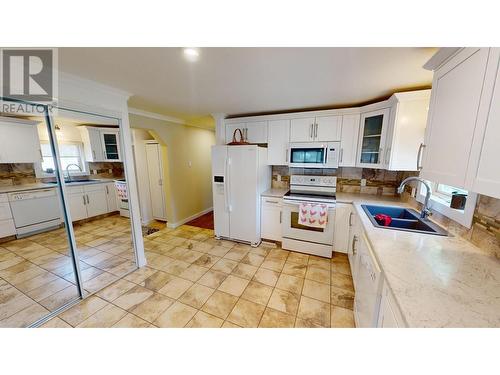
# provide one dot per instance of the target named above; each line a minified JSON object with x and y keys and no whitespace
{"x":363,"y":182}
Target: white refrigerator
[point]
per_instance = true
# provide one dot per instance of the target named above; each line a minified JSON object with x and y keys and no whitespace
{"x":239,"y":175}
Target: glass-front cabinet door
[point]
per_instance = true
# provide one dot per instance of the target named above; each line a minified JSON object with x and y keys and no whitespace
{"x":111,"y":145}
{"x":372,"y":138}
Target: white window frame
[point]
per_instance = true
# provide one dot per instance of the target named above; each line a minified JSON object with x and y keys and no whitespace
{"x":440,"y":204}
{"x":40,"y":173}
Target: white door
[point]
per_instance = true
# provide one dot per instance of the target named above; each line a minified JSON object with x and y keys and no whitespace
{"x":278,"y":137}
{"x":352,"y":246}
{"x":256,"y":132}
{"x":455,"y":98}
{"x":77,"y":206}
{"x":111,"y":197}
{"x":243,"y":199}
{"x":220,"y":190}
{"x":97,"y":200}
{"x":302,"y":129}
{"x":271,"y":219}
{"x":19,"y":143}
{"x":486,"y":179}
{"x":349,"y":140}
{"x":372,"y":133}
{"x":328,"y":128}
{"x":155,"y":172}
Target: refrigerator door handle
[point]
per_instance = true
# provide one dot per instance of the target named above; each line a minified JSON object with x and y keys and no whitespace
{"x":228,"y":198}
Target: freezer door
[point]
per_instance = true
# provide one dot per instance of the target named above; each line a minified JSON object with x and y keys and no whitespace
{"x":243,"y":199}
{"x":219,"y":191}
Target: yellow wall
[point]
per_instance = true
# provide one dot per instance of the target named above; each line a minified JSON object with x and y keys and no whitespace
{"x":189,"y":189}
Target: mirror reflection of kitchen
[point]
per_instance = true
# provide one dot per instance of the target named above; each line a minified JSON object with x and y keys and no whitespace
{"x":35,"y":258}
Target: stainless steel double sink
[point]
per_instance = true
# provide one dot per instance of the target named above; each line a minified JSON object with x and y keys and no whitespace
{"x":403,"y":219}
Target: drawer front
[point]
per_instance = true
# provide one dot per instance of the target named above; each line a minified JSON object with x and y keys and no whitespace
{"x":271,"y":201}
{"x":75,"y":189}
{"x":94,"y":187}
{"x":5,"y":212}
{"x":7,"y":228}
{"x":4,"y":198}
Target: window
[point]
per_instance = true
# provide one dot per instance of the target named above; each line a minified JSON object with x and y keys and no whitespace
{"x":441,"y":199}
{"x":71,"y":153}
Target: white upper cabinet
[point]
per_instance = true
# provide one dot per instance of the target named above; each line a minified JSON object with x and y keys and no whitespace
{"x":327,"y":128}
{"x":101,"y":144}
{"x":302,"y":129}
{"x":483,"y":174}
{"x":406,"y":130}
{"x":315,"y":129}
{"x":253,"y":132}
{"x":278,"y":136}
{"x":19,"y":141}
{"x":457,"y":88}
{"x":371,"y":143}
{"x":349,"y":140}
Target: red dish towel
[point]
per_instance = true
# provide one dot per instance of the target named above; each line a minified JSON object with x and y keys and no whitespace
{"x":383,"y":219}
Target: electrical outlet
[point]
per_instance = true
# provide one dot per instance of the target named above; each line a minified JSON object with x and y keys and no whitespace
{"x":278,"y":177}
{"x":363,"y":182}
{"x":110,"y":171}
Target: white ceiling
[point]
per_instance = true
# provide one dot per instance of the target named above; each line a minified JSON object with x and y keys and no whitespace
{"x":248,"y":80}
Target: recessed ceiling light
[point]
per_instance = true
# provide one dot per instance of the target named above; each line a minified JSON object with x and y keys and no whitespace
{"x":191,"y":54}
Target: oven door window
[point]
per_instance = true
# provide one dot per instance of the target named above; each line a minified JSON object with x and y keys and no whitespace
{"x":294,"y":223}
{"x":307,"y":155}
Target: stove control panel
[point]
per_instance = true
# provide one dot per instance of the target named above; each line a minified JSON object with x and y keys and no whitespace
{"x":329,"y":181}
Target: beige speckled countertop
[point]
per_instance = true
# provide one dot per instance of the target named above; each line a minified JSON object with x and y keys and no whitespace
{"x":41,"y":185}
{"x":436,"y":281}
{"x":274,"y":193}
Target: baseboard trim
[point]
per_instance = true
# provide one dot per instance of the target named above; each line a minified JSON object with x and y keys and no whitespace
{"x":187,"y":219}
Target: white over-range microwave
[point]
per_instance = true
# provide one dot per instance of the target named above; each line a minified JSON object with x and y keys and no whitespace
{"x":314,"y":155}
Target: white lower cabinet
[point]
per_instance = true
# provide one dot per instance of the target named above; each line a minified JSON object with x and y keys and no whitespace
{"x":270,"y":222}
{"x":354,"y":236}
{"x":389,"y":315}
{"x":341,"y":231}
{"x":7,"y":227}
{"x":87,"y":201}
{"x":111,"y":197}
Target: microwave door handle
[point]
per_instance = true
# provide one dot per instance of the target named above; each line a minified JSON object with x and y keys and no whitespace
{"x":325,"y":156}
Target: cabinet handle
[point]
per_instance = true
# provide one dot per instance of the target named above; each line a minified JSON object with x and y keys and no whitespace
{"x":41,"y":155}
{"x":274,"y":202}
{"x":315,"y":130}
{"x":93,"y":154}
{"x":84,"y":202}
{"x":88,"y":200}
{"x":341,"y":155}
{"x":286,"y":155}
{"x":419,"y":156}
{"x":160,"y":182}
{"x":311,"y":131}
{"x":350,"y":219}
{"x":353,"y":247}
{"x":387,"y":153}
{"x":280,"y":217}
{"x":107,"y":191}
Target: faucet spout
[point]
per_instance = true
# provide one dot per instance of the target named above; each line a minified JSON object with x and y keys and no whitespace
{"x":67,"y":170}
{"x":425,"y":209}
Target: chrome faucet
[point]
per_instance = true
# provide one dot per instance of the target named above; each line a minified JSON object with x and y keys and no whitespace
{"x":425,"y":210}
{"x":67,"y":170}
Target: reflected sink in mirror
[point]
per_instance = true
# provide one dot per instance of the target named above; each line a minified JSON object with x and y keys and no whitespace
{"x":403,"y":219}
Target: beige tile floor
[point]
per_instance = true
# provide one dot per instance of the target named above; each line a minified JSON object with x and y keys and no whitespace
{"x":193,"y":280}
{"x":36,"y":273}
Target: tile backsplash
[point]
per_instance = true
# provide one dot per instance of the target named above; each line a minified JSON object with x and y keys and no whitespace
{"x":24,"y":173}
{"x":349,"y":180}
{"x":17,"y":174}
